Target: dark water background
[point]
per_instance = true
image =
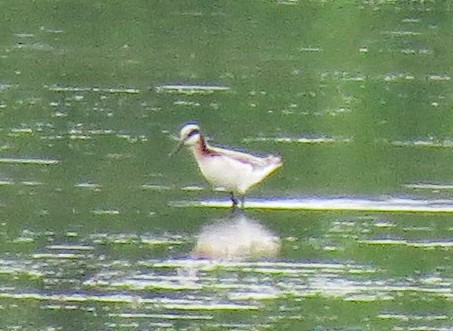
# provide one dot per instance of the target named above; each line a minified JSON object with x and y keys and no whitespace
{"x":99,"y":230}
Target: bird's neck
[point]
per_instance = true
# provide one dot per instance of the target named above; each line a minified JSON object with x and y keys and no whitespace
{"x":202,"y":148}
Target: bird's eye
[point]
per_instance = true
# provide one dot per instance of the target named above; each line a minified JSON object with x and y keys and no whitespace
{"x":193,"y":132}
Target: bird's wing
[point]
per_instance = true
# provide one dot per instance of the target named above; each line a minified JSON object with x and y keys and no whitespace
{"x":255,"y":161}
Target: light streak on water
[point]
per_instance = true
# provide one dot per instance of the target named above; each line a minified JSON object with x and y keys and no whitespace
{"x":56,"y":88}
{"x":334,"y":204}
{"x":29,"y":161}
{"x":191,"y":89}
{"x":300,"y":140}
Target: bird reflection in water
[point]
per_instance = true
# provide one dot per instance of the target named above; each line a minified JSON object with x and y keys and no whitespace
{"x":236,"y":237}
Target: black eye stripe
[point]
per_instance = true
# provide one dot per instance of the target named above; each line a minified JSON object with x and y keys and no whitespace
{"x":193,"y":132}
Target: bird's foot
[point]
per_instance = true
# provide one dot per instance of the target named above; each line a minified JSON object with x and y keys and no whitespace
{"x":234,"y":200}
{"x":237,"y":201}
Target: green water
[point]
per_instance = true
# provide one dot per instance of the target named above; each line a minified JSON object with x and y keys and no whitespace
{"x":99,"y":229}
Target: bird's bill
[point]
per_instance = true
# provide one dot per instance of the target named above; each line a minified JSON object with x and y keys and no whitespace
{"x":177,"y":148}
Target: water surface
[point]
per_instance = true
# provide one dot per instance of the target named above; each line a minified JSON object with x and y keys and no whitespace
{"x":99,"y":230}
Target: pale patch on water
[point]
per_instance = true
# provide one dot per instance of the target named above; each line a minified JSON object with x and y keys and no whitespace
{"x":311,"y":49}
{"x":71,"y":247}
{"x":429,"y":142}
{"x":88,"y":185}
{"x":383,"y":242}
{"x":23,"y":268}
{"x":114,"y":90}
{"x":407,"y":317}
{"x":299,"y":140}
{"x":439,"y":77}
{"x":402,"y":33}
{"x":287,"y":2}
{"x":64,"y":256}
{"x":430,"y":186}
{"x":425,"y":244}
{"x":32,"y":183}
{"x":432,"y":244}
{"x":19,"y":131}
{"x":102,"y":212}
{"x":191,"y":89}
{"x":394,"y":77}
{"x":76,"y":134}
{"x":34,"y":46}
{"x":125,"y":238}
{"x":155,"y":187}
{"x":192,"y":188}
{"x":28,"y":161}
{"x":186,"y":103}
{"x":162,"y":316}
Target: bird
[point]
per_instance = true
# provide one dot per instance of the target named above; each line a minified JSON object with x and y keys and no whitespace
{"x":233,"y":171}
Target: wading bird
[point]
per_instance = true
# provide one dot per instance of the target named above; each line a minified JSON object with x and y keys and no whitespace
{"x":224,"y":168}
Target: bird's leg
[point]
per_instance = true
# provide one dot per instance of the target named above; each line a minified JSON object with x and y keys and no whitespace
{"x":242,"y":198}
{"x":234,"y":200}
